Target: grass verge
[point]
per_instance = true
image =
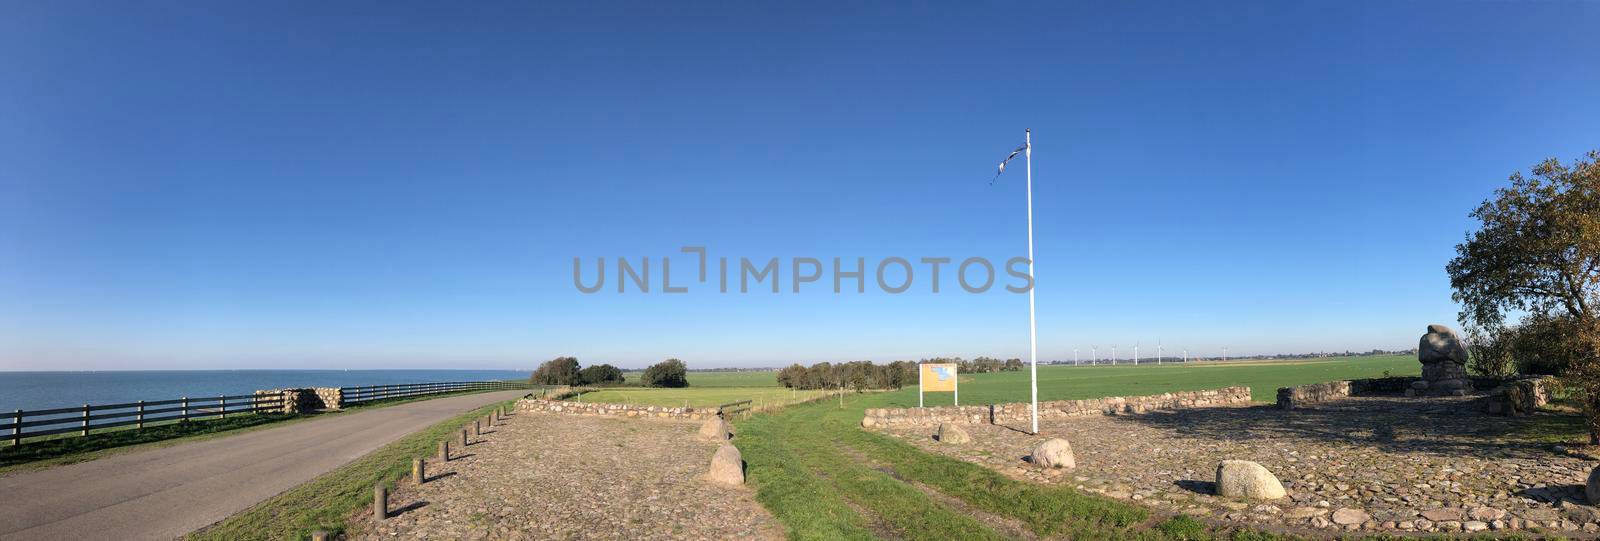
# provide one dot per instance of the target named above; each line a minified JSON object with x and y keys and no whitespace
{"x":324,"y":502}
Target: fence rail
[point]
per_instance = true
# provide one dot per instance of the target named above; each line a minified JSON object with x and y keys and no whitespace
{"x":90,"y":417}
{"x":731,"y":409}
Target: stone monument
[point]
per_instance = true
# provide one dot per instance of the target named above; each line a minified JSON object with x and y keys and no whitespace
{"x":1444,"y":364}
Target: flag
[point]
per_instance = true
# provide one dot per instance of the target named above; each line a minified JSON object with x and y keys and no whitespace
{"x":1014,"y":154}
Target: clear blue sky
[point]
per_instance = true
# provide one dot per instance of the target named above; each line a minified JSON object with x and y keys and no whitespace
{"x":349,"y":184}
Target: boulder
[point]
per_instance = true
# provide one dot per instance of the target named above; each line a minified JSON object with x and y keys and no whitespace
{"x":951,"y":433}
{"x":717,"y":429}
{"x":1347,"y":516}
{"x":1054,"y":453}
{"x":1591,"y":488}
{"x":727,"y":466}
{"x":1246,"y":479}
{"x":1444,"y":362}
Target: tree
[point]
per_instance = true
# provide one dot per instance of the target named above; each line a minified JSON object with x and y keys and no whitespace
{"x":557,"y":371}
{"x":1538,"y":254}
{"x":600,"y":374}
{"x":668,"y":373}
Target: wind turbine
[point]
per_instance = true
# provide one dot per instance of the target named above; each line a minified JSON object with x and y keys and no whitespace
{"x":1113,"y":355}
{"x":1158,"y":352}
{"x":1186,"y":355}
{"x":1095,"y":350}
{"x":1224,"y":353}
{"x":1074,"y":356}
{"x":1136,"y":353}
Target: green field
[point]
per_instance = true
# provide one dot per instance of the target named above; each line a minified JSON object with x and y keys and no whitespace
{"x":751,"y":378}
{"x":1057,"y":382}
{"x":699,"y":396}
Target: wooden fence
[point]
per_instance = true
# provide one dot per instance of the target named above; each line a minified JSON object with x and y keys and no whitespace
{"x":86,"y":418}
{"x":734,"y":409}
{"x":356,"y":395}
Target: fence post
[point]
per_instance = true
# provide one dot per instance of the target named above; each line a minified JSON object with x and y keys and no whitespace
{"x":16,"y":431}
{"x":185,"y":414}
{"x":380,"y":501}
{"x":418,"y":474}
{"x":140,"y":418}
{"x":444,"y":450}
{"x":222,"y":406}
{"x":85,"y":419}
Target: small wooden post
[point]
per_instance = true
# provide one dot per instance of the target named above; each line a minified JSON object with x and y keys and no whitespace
{"x":85,"y":419}
{"x":477,"y":428}
{"x":16,"y":430}
{"x":380,"y":502}
{"x":185,"y":418}
{"x":319,"y":535}
{"x":463,"y":438}
{"x":222,"y":405}
{"x":444,"y":451}
{"x":418,"y":472}
{"x":140,"y":421}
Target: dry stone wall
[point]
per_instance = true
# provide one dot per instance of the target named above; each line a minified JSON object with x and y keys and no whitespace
{"x":614,"y":410}
{"x":1012,"y":413}
{"x":1520,"y":396}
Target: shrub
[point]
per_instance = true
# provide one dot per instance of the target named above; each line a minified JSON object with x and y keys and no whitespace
{"x":668,"y":373}
{"x":600,"y":374}
{"x":557,"y":371}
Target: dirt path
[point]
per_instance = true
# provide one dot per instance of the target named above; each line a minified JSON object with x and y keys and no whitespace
{"x":167,"y":492}
{"x":554,"y":476}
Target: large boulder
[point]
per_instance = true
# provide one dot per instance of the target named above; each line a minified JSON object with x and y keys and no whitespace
{"x":1444,"y":362}
{"x":951,"y":433}
{"x":717,"y":429}
{"x":1054,"y":453}
{"x":1248,"y":480}
{"x":727,"y":466}
{"x":1591,"y":488}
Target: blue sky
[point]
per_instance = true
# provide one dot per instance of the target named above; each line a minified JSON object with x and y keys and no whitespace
{"x":368,"y":185}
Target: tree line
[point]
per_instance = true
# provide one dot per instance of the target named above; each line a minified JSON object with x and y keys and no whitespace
{"x":863,"y":375}
{"x":566,"y":371}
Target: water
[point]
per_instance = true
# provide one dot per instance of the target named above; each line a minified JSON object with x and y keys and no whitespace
{"x":50,"y":390}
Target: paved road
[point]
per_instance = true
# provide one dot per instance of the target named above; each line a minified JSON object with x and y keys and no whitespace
{"x":168,"y":492}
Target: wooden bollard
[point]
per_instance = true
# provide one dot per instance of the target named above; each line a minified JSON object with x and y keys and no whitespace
{"x":477,"y":428}
{"x":380,"y":502}
{"x":463,"y":438}
{"x":444,"y":451}
{"x":418,"y":473}
{"x":319,"y":535}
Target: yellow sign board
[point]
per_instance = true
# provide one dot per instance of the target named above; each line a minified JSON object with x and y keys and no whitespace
{"x":939,"y":378}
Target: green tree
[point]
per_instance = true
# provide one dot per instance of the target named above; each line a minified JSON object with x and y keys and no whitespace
{"x":668,"y":373}
{"x":600,"y":374}
{"x":1537,"y":254}
{"x":557,"y":371}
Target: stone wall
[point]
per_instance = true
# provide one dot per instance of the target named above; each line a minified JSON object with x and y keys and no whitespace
{"x":1013,"y":413}
{"x":1521,"y":396}
{"x":1517,"y":397}
{"x":614,"y":410}
{"x":1289,"y":397}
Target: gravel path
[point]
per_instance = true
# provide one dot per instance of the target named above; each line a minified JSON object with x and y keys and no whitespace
{"x":554,"y":476}
{"x":1360,"y":464}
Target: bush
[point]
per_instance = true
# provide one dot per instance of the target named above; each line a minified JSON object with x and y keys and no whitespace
{"x":557,"y":371}
{"x":600,"y":374}
{"x":668,"y":373}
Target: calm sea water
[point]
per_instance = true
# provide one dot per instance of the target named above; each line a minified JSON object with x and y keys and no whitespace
{"x":49,"y":390}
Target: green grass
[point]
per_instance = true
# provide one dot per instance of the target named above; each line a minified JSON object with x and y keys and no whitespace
{"x":1057,"y":382}
{"x":324,"y":502}
{"x":825,"y":478}
{"x":699,"y":396}
{"x":753,"y":378}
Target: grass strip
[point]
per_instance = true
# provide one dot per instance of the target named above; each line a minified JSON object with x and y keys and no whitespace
{"x":324,"y":503}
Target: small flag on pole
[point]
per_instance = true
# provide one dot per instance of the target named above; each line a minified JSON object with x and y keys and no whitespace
{"x":1003,"y":163}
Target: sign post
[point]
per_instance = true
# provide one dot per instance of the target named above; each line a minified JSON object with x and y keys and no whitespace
{"x":937,"y":378}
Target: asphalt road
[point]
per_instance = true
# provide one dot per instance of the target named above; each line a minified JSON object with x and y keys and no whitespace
{"x":167,"y":492}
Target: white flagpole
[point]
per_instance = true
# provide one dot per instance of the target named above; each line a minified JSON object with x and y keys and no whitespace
{"x":1033,"y":333}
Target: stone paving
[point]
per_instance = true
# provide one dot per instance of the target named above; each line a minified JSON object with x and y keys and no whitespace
{"x":1357,"y":464}
{"x":552,"y":476}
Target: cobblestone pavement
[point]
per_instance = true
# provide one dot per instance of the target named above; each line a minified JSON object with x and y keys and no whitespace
{"x":1359,"y":464}
{"x":553,"y":476}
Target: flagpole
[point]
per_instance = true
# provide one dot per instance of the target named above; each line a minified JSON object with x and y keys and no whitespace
{"x":1033,"y":333}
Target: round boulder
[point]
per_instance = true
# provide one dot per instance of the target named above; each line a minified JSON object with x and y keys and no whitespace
{"x":717,"y":429}
{"x":1054,"y":453}
{"x":1441,"y":344}
{"x":727,"y":466}
{"x":950,"y":433}
{"x":1246,"y":479}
